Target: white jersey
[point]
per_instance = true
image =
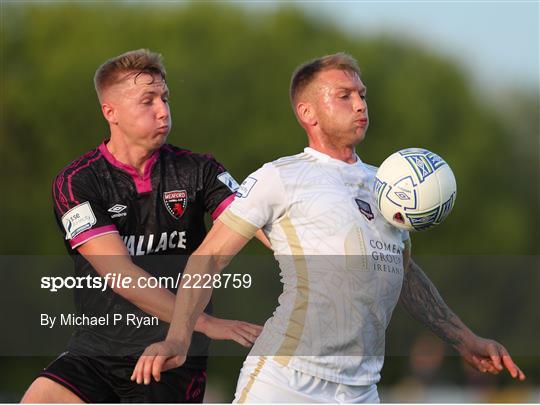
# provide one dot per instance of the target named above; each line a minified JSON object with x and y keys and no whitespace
{"x":341,"y":264}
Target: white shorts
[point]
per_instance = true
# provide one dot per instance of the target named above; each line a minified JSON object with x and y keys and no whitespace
{"x":263,"y":380}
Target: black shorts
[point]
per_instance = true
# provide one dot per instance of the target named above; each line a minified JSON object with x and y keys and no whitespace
{"x":107,"y":379}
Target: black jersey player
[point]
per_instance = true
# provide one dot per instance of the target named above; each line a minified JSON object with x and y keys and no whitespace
{"x":134,"y":207}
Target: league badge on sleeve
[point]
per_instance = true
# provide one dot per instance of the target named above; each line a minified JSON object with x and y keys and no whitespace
{"x":78,"y":219}
{"x":246,"y":187}
{"x":229,"y":181}
{"x":176,"y":202}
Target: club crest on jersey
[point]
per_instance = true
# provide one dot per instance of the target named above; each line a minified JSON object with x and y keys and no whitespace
{"x":364,"y":208}
{"x":176,"y":202}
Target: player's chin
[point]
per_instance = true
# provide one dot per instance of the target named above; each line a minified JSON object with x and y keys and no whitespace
{"x":159,"y":139}
{"x":360,"y":134}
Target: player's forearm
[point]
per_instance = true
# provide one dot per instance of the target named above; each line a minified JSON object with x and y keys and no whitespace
{"x":423,"y":302}
{"x":190,"y":302}
{"x":158,"y":302}
{"x":216,"y":251}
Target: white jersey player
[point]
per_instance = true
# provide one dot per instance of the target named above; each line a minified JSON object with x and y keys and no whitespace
{"x":343,"y":267}
{"x":337,"y":256}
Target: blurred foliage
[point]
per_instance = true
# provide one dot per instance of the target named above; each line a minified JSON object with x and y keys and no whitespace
{"x":228,"y":73}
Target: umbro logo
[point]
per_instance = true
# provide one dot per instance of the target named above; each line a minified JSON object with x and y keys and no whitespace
{"x":402,"y":196}
{"x":117,"y":210}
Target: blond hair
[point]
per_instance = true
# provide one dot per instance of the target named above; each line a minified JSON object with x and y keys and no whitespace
{"x":306,"y":72}
{"x":132,"y":63}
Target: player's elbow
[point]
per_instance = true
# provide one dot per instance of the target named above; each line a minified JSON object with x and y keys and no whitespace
{"x":206,"y":261}
{"x":222,"y":261}
{"x":212,"y":255}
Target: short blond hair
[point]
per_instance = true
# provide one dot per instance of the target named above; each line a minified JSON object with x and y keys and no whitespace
{"x":306,"y":72}
{"x":132,"y":63}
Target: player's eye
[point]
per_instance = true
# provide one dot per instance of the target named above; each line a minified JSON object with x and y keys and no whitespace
{"x":344,"y":96}
{"x":147,"y":101}
{"x":165,"y":99}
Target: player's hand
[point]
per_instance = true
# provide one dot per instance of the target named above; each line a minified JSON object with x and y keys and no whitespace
{"x":489,"y":356}
{"x":158,"y":357}
{"x":244,"y":333}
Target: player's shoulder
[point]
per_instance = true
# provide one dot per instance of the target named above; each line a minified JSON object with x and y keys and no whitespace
{"x":292,"y":160}
{"x":81,"y":167}
{"x":186,"y":156}
{"x":370,"y":169}
{"x":280,"y":170}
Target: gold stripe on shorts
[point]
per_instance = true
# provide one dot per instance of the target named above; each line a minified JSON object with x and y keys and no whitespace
{"x":251,"y":381}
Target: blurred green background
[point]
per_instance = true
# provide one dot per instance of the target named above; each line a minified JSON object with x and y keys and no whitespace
{"x":228,"y":72}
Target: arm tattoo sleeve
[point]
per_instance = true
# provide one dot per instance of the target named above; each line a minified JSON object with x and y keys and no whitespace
{"x":423,"y":302}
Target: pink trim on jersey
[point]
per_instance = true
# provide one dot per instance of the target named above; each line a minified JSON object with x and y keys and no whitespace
{"x":222,"y":206}
{"x":144,"y":183}
{"x":67,"y":384}
{"x":78,"y":169}
{"x":169,"y":148}
{"x":59,"y":197}
{"x":208,"y":156}
{"x":91,"y":234}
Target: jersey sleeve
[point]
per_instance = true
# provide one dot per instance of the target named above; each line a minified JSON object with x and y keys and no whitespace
{"x":219,"y":188}
{"x":79,"y":211}
{"x":259,"y":201}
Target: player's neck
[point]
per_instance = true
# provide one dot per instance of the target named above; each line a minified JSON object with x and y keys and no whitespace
{"x":346,"y":154}
{"x":132,"y":155}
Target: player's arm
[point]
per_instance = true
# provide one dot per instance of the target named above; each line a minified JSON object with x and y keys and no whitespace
{"x":264,"y":240}
{"x":216,"y":251}
{"x":423,"y":302}
{"x":108,"y":254}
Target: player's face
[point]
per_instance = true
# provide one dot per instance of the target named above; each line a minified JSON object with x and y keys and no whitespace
{"x":340,"y":106}
{"x":142,"y":110}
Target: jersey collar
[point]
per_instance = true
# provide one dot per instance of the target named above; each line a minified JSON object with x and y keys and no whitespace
{"x":328,"y":159}
{"x":144,"y":183}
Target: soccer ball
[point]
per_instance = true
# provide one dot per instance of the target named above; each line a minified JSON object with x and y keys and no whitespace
{"x":415,"y":189}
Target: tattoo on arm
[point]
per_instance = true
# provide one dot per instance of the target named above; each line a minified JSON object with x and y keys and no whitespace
{"x":423,"y":302}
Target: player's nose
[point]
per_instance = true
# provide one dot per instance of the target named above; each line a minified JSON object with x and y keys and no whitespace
{"x":162,"y":110}
{"x":360,"y":103}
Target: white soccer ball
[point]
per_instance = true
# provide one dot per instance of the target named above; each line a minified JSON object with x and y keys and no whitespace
{"x":415,"y":189}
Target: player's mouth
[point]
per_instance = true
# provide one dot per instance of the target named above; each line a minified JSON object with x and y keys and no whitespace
{"x":363,"y":122}
{"x":163,"y":129}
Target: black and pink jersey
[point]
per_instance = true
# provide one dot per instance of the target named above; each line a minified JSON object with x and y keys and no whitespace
{"x":159,"y":216}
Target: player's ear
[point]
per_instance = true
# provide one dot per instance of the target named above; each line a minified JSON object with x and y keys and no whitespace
{"x":109,"y":112}
{"x":306,"y":114}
